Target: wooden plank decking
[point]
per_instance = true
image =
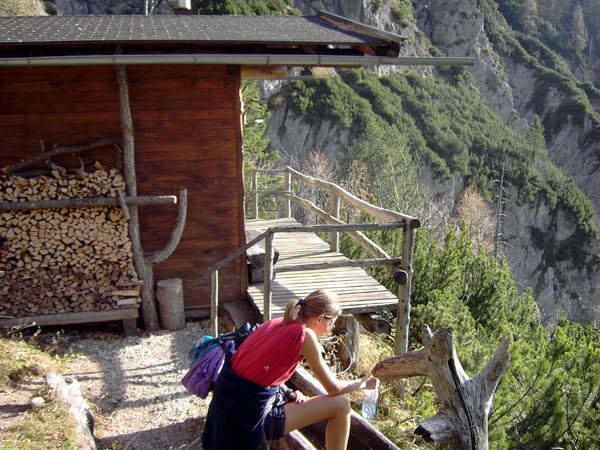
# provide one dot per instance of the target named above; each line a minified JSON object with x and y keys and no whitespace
{"x":357,"y":291}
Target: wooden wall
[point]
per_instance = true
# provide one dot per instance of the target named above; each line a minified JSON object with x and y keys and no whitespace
{"x":187,"y":134}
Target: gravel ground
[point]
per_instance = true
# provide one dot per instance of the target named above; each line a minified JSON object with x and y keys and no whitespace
{"x":134,"y":390}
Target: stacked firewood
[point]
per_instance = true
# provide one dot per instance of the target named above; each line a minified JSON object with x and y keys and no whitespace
{"x":69,"y":259}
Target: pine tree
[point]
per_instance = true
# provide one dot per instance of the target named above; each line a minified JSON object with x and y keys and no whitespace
{"x":537,"y":140}
{"x":579,"y":33}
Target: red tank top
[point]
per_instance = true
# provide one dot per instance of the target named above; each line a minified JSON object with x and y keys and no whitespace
{"x":269,"y":356}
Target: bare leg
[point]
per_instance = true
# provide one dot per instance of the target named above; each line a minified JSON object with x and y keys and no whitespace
{"x":334,"y":409}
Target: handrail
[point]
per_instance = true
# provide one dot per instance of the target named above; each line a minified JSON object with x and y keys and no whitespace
{"x":392,"y":219}
{"x":382,"y":213}
{"x":235,"y":254}
{"x":359,"y":237}
{"x":332,"y":227}
{"x":334,"y":264}
{"x":298,"y":229}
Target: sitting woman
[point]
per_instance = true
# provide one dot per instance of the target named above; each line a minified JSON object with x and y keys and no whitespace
{"x":246,"y":409}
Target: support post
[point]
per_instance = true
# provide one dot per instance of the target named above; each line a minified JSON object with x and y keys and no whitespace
{"x":334,"y":211}
{"x":142,"y":267}
{"x":214,"y":303}
{"x":268,"y":276}
{"x":287,"y":186}
{"x":403,"y":319}
{"x":255,"y":190}
{"x":347,"y":330}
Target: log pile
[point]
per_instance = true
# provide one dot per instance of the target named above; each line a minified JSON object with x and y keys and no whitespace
{"x":68,"y":259}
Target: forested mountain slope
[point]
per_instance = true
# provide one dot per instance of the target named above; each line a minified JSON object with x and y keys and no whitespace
{"x":519,"y":113}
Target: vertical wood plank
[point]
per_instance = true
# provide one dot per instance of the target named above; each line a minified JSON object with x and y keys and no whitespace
{"x":334,"y":210}
{"x":268,"y":276}
{"x":287,"y":186}
{"x":214,"y":303}
{"x":255,"y":188}
{"x":404,"y":290}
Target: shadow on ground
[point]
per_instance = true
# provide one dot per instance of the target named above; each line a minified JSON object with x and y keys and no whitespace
{"x":155,"y":438}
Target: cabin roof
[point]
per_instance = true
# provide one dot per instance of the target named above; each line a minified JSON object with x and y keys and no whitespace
{"x":309,"y":30}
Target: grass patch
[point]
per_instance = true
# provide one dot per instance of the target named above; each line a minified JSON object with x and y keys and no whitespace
{"x":20,"y":360}
{"x":50,"y":426}
{"x":395,"y":418}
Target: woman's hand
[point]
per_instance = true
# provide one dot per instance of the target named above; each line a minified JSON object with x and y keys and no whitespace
{"x":298,"y":397}
{"x":370,"y":383}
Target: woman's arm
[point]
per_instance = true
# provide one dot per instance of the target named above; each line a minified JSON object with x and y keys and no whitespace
{"x":311,"y":352}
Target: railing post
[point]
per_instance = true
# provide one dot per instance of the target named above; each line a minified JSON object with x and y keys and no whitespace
{"x":268,"y":276}
{"x":334,"y":210}
{"x":401,"y":344}
{"x":255,"y":189}
{"x":214,"y":303}
{"x":287,"y":185}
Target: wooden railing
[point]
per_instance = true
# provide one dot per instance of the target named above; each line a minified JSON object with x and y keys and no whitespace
{"x":400,"y":267}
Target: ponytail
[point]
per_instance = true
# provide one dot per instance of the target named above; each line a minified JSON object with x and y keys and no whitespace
{"x":292,"y":310}
{"x":319,"y":302}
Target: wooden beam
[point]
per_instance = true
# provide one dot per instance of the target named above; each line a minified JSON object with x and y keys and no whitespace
{"x":70,"y":318}
{"x":263,"y":73}
{"x":88,"y":202}
{"x":375,"y":211}
{"x":359,"y":237}
{"x":159,"y":256}
{"x":334,"y":264}
{"x":268,"y":276}
{"x":123,"y":204}
{"x":403,"y":320}
{"x":292,"y":441}
{"x":235,"y":254}
{"x":142,"y":267}
{"x":214,"y":303}
{"x":59,"y":150}
{"x":335,"y":227}
{"x":334,"y":209}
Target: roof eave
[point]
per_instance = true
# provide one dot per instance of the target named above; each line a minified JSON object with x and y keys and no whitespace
{"x":363,"y":28}
{"x":240,"y":59}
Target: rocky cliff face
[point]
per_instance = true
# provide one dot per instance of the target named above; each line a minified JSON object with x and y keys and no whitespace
{"x":534,"y":233}
{"x":536,"y":236}
{"x":95,"y":7}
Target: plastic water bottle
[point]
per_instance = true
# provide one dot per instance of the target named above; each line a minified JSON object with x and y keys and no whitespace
{"x":369,"y":401}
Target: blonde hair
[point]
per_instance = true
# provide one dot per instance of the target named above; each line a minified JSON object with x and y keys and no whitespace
{"x":313,"y":305}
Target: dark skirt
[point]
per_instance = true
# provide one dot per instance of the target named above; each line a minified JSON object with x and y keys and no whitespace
{"x":237,"y":412}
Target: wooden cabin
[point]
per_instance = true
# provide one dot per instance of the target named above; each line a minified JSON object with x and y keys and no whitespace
{"x":59,"y":89}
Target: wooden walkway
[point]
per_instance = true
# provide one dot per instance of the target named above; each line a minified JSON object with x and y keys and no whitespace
{"x":357,"y":291}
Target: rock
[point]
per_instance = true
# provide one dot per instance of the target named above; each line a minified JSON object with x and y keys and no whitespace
{"x":37,"y":402}
{"x":69,"y":393}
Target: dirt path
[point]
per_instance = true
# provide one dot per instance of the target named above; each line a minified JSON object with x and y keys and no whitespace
{"x":134,"y":390}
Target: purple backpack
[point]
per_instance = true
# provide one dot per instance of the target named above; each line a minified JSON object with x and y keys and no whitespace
{"x":201,"y":377}
{"x":208,"y":356}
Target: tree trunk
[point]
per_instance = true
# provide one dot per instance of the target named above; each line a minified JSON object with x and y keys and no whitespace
{"x":462,"y":422}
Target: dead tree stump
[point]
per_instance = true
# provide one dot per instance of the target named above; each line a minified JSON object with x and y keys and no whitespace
{"x":462,"y":422}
